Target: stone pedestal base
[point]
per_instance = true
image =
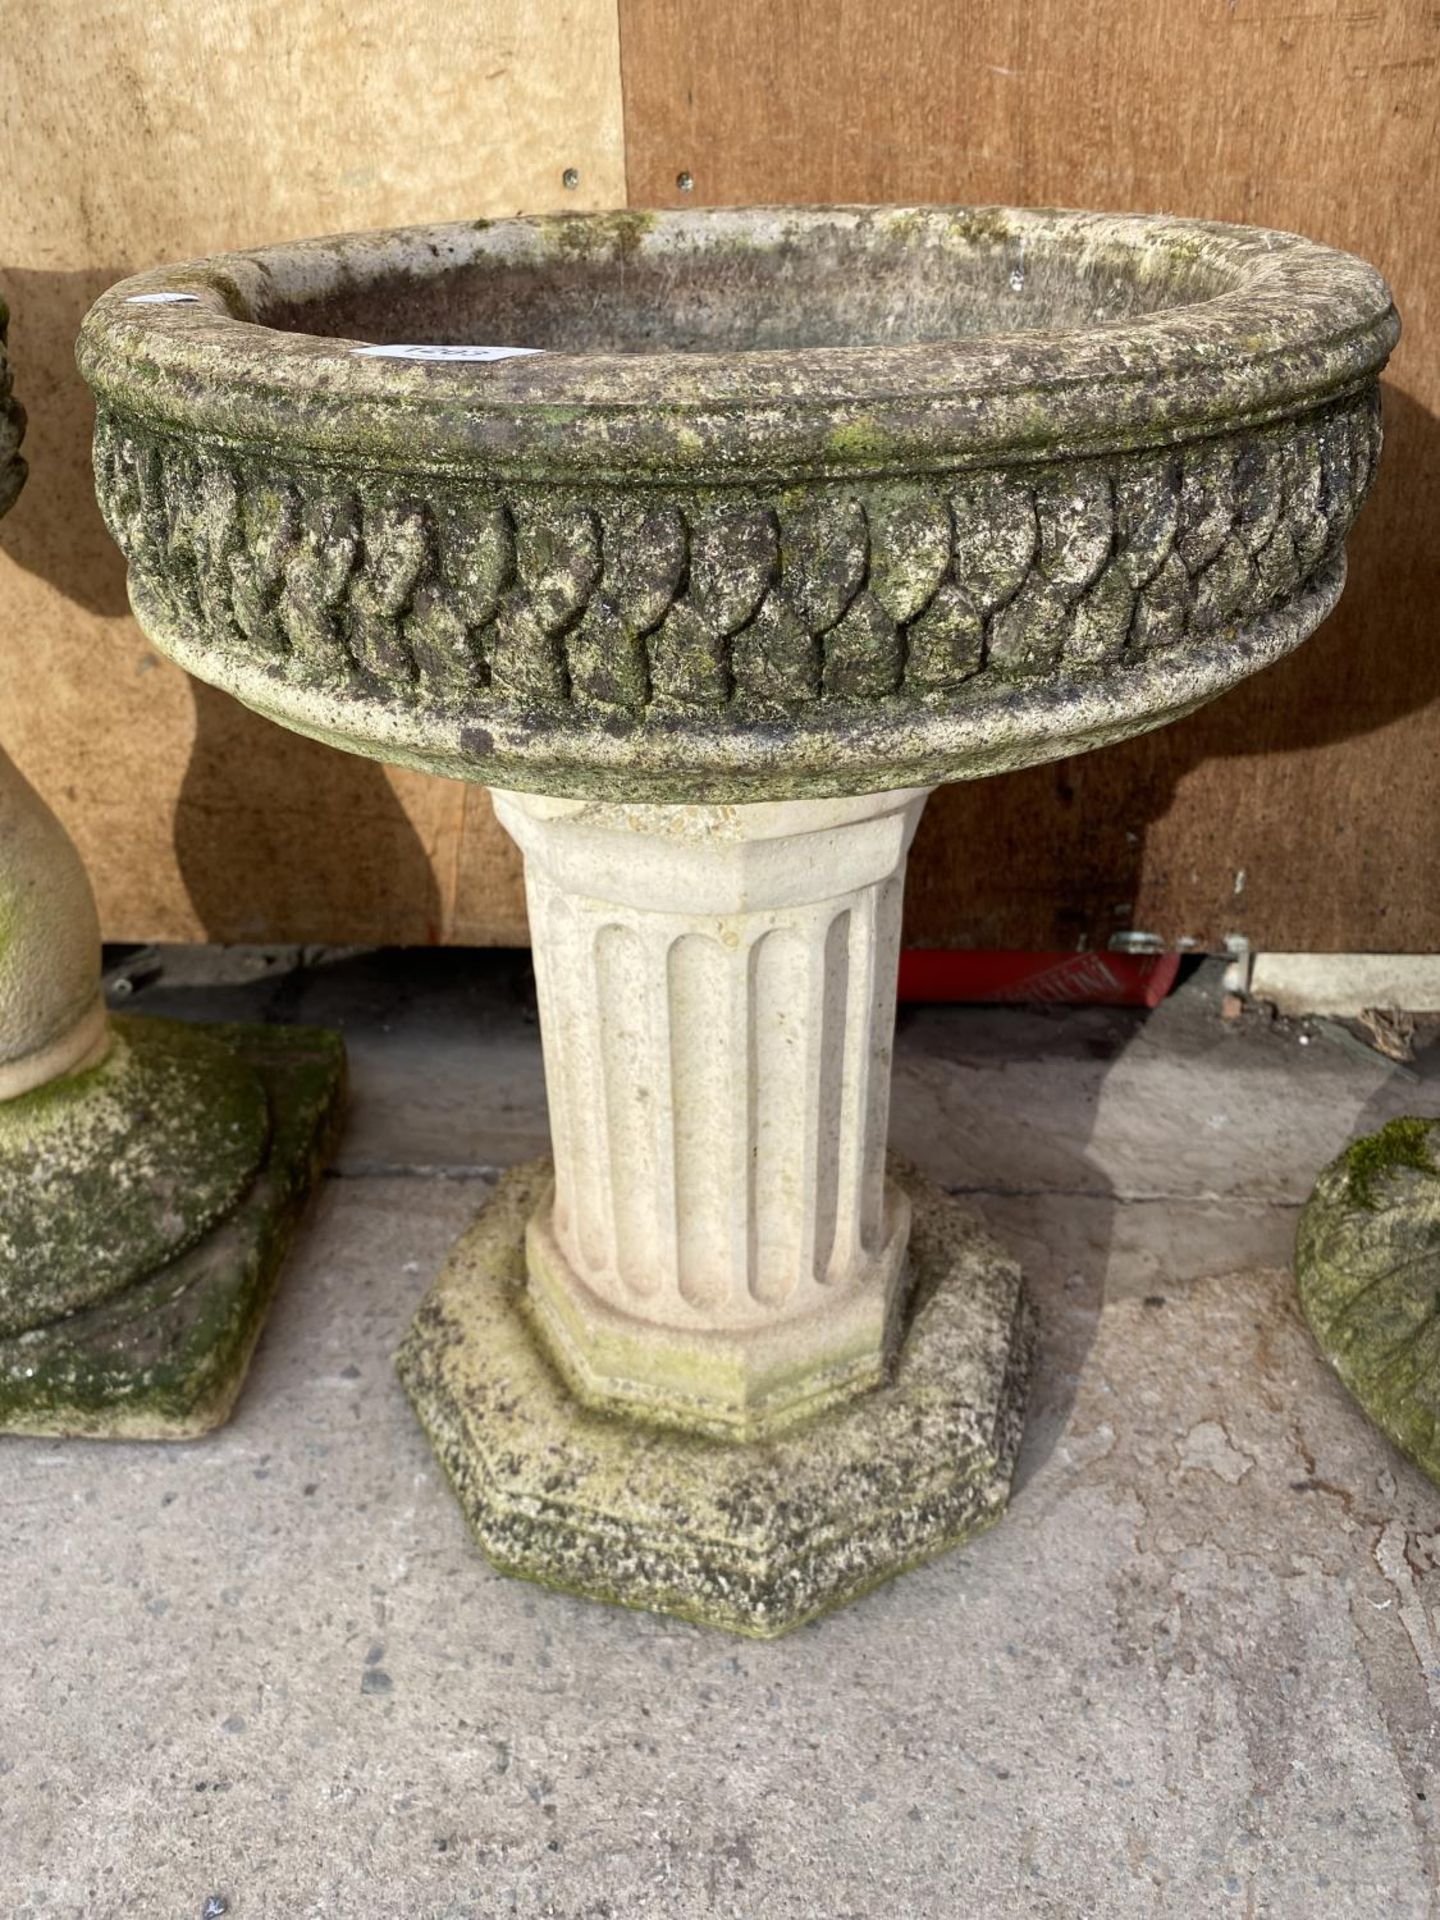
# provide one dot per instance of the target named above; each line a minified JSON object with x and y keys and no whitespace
{"x":753,"y":1537}
{"x":734,"y":1384}
{"x":164,"y":1356}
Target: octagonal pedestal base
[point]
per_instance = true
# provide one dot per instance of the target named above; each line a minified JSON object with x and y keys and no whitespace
{"x":165,"y":1358}
{"x":753,"y":1537}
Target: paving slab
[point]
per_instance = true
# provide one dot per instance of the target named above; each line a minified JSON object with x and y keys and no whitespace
{"x":1195,"y":1671}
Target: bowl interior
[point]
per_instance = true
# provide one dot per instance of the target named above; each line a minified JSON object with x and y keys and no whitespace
{"x":725,"y":283}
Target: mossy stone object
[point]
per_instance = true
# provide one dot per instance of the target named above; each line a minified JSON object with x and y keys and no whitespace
{"x":150,"y":1171}
{"x":739,"y":504}
{"x":165,"y":1357}
{"x":107,"y":1174}
{"x":757,"y":1536}
{"x":1367,"y":1260}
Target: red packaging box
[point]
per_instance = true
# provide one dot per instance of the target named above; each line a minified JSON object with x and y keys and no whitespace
{"x":1069,"y":979}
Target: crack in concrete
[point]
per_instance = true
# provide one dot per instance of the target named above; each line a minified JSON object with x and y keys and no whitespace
{"x":484,"y":1170}
{"x":1118,"y":1197}
{"x":1391,"y":1552}
{"x":412,"y":1170}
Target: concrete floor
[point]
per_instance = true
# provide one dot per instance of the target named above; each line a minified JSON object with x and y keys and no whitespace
{"x":1194,"y":1672}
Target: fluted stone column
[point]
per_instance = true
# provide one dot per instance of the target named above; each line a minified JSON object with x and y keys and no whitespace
{"x":717,"y":996}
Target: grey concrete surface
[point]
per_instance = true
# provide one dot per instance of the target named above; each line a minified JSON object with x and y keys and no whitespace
{"x":1194,"y":1672}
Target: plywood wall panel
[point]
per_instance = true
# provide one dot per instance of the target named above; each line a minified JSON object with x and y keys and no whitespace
{"x":136,"y":131}
{"x":1302,"y":811}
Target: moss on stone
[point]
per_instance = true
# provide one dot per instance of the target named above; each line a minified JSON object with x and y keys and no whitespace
{"x":108,"y":1173}
{"x":755,"y":1538}
{"x":166,"y":1357}
{"x":1371,"y":1160}
{"x":862,"y":441}
{"x":734,"y":1388}
{"x":620,"y":567}
{"x":735,"y":644}
{"x":599,"y":235}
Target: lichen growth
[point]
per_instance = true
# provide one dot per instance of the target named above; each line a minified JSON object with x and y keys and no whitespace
{"x":1367,"y":1263}
{"x":737,"y":643}
{"x":624,"y":567}
{"x":862,"y":440}
{"x":586,"y":235}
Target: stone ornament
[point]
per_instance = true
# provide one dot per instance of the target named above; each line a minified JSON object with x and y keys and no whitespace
{"x":150,"y":1171}
{"x":1367,"y":1260}
{"x":437,"y":608}
{"x":712,"y":541}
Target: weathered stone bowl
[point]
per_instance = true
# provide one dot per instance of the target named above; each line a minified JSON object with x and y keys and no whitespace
{"x":774,"y":503}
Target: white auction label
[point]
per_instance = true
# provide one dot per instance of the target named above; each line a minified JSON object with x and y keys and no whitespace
{"x":445,"y":353}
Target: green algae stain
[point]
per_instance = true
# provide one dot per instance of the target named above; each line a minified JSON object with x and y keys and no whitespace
{"x":860,"y":439}
{"x":165,"y":1357}
{"x":1367,"y":1263}
{"x":598,"y":235}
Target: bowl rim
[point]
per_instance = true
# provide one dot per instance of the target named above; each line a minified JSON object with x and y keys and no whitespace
{"x":1302,"y":323}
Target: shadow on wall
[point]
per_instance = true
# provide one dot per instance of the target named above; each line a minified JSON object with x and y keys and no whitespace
{"x":274,"y":830}
{"x":271,"y":831}
{"x":1063,"y":845}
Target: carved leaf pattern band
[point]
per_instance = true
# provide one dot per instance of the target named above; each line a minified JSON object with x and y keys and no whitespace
{"x":437,"y":592}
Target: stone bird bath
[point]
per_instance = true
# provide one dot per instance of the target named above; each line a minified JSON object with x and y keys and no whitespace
{"x":712,"y":542}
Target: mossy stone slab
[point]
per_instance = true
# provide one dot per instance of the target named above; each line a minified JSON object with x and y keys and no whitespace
{"x":755,"y":1537}
{"x":1367,"y":1260}
{"x":165,"y":1358}
{"x":107,"y":1174}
